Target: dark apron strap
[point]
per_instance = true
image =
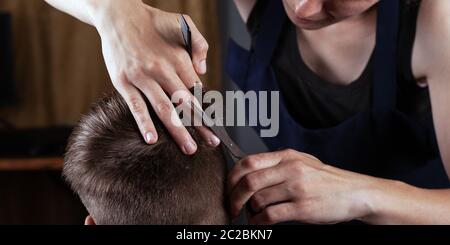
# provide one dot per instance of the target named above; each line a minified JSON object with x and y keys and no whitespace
{"x":385,"y":75}
{"x":270,"y":30}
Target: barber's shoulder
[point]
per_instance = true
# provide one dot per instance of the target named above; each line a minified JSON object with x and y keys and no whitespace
{"x":433,"y":36}
{"x":245,"y":7}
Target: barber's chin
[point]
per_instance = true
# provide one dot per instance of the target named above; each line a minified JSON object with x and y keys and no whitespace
{"x":312,"y":24}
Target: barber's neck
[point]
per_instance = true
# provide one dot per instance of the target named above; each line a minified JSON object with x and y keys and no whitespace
{"x":355,"y":26}
{"x":339,"y":53}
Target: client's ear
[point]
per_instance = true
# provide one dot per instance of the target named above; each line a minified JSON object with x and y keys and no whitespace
{"x":89,"y":221}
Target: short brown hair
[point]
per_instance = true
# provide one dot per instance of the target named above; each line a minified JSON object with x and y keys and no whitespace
{"x":122,"y":180}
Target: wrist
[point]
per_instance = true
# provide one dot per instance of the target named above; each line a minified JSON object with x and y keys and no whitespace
{"x":103,"y":13}
{"x":380,"y":198}
{"x":93,"y":9}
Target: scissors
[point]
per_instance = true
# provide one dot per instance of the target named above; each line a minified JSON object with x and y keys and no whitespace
{"x":232,"y":148}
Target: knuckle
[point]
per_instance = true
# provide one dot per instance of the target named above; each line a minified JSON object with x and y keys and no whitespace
{"x":249,"y":183}
{"x":270,"y":215}
{"x":311,"y":156}
{"x":184,"y":68}
{"x":188,"y":100}
{"x":250,"y":162}
{"x":136,"y":72}
{"x":163,"y":108}
{"x":290,"y":152}
{"x":155,"y":68}
{"x":122,"y":77}
{"x":181,"y":97}
{"x":136,"y":105}
{"x":264,"y":175}
{"x":297,"y":168}
{"x":297,"y":188}
{"x":202,"y":44}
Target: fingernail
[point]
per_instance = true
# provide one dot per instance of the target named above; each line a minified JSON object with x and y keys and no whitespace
{"x":148,"y":137}
{"x":214,"y":141}
{"x":190,"y":148}
{"x":202,"y":67}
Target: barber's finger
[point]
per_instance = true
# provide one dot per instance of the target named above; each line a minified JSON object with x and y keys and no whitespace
{"x":200,"y":48}
{"x":251,"y":164}
{"x":180,"y":94}
{"x":271,"y":195}
{"x":186,"y":71}
{"x":208,"y":136}
{"x":166,"y":112}
{"x":252,"y":183}
{"x":139,"y":109}
{"x":275,"y":214}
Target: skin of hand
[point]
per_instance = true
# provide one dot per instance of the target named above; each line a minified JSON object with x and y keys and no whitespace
{"x":292,"y":186}
{"x":145,"y":56}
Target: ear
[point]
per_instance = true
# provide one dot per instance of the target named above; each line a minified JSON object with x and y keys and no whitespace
{"x":89,"y":221}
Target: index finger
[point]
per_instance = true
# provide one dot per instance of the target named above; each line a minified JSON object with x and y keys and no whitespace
{"x":252,"y":164}
{"x":255,"y":163}
{"x":139,"y":110}
{"x":253,"y":183}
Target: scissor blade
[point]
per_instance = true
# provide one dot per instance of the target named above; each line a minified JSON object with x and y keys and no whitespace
{"x":221,"y":133}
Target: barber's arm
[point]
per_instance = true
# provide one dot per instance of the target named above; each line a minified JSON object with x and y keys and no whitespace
{"x":144,"y":54}
{"x":433,"y":44}
{"x":307,"y":190}
{"x":292,"y":186}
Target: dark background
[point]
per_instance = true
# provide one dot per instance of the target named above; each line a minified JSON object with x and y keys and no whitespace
{"x":6,"y":60}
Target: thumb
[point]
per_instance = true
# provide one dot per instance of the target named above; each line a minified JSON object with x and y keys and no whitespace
{"x":199,"y":48}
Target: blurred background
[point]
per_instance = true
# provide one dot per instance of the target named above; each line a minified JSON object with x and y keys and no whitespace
{"x":51,"y":71}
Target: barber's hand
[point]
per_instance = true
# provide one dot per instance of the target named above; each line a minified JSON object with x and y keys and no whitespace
{"x":292,"y":186}
{"x":144,"y":53}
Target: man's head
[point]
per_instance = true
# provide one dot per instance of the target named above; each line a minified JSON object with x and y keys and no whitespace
{"x":316,"y":14}
{"x":122,"y":180}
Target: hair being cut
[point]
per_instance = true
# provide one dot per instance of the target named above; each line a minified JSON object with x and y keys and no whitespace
{"x":122,"y":180}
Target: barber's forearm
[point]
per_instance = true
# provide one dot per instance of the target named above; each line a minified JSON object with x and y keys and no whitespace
{"x":92,"y":12}
{"x":398,"y":203}
{"x":80,"y":9}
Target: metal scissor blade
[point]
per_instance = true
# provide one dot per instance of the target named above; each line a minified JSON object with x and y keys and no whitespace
{"x":220,"y":131}
{"x":232,"y":147}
